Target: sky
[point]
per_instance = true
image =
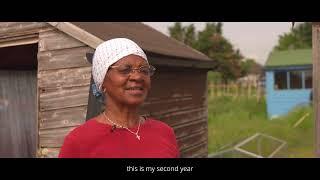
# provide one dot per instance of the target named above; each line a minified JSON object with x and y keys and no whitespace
{"x":254,"y":39}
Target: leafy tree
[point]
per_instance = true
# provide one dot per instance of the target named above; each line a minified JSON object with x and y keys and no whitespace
{"x":211,"y":42}
{"x":189,"y":35}
{"x":186,"y":34}
{"x":249,"y":66}
{"x":177,"y":32}
{"x":300,"y":37}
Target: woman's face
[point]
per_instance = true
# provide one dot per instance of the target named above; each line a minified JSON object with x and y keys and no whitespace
{"x":127,"y":88}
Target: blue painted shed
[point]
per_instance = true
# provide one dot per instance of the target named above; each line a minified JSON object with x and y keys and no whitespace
{"x":288,"y":80}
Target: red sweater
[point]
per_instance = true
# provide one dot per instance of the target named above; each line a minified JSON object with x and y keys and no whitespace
{"x":97,"y":140}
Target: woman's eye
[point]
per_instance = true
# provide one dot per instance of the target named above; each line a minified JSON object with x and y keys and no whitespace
{"x":125,"y":69}
{"x":144,"y":70}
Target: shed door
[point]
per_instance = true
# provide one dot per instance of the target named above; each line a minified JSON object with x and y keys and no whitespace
{"x":18,"y":102}
{"x":17,"y":113}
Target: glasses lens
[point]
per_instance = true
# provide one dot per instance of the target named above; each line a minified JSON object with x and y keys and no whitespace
{"x":145,"y":70}
{"x":124,"y":69}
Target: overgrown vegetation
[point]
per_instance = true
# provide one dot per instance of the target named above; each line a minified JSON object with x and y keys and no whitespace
{"x":230,"y":121}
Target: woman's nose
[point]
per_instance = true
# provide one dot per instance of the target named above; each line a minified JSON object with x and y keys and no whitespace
{"x":136,"y":74}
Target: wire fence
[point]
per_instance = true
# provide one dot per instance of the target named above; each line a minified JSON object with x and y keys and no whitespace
{"x":236,"y":90}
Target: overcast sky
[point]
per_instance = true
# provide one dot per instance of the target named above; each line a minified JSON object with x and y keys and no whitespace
{"x":254,"y":39}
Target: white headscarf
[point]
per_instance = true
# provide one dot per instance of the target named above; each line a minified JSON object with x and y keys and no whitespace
{"x":110,"y":52}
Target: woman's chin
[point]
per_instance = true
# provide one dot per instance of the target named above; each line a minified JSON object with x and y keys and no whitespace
{"x":135,"y":102}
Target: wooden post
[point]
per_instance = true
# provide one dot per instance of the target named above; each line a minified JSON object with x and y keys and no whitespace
{"x":249,"y":89}
{"x":240,"y":90}
{"x":211,"y":90}
{"x":227,"y":88}
{"x":316,"y":81}
{"x":216,"y":85}
{"x":258,"y":92}
{"x":237,"y":90}
{"x":223,"y":89}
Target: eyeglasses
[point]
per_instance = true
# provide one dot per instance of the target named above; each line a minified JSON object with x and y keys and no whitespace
{"x":127,"y":69}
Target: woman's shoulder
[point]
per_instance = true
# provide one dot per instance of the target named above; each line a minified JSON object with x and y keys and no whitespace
{"x":83,"y":128}
{"x":162,"y":128}
{"x":155,"y":123}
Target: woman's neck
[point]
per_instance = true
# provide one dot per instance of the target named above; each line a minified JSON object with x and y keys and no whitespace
{"x":122,"y":115}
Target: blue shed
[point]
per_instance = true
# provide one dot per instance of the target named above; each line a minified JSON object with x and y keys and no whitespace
{"x":288,"y":80}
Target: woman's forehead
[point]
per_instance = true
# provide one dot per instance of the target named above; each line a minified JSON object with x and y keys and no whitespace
{"x":132,"y":60}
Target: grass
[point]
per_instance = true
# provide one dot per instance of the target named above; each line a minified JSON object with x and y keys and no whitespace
{"x":232,"y":120}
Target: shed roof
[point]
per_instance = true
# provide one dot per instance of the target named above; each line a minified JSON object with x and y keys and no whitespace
{"x":295,"y":57}
{"x":148,"y":38}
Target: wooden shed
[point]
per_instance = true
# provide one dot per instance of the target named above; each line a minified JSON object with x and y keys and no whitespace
{"x":288,"y":80}
{"x":45,"y":80}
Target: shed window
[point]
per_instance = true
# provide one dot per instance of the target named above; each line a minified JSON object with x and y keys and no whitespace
{"x":295,"y":79}
{"x":281,"y":80}
{"x":308,"y":79}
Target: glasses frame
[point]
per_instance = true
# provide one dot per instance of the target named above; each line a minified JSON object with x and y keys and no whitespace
{"x":152,"y":68}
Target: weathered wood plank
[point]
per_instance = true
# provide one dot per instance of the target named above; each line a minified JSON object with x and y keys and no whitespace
{"x":65,"y":58}
{"x":64,"y":78}
{"x":8,"y":29}
{"x":196,"y":151}
{"x":316,"y":82}
{"x":171,"y":106}
{"x":16,"y":38}
{"x":54,"y":40}
{"x":53,"y":137}
{"x":59,"y":98}
{"x":188,"y":141}
{"x":182,"y":117}
{"x":190,"y":128}
{"x":19,"y":42}
{"x":62,"y":117}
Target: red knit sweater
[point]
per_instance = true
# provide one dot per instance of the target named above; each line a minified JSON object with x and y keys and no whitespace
{"x":96,"y":140}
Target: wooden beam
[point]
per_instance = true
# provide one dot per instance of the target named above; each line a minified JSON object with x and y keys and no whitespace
{"x":17,"y":42}
{"x":77,"y":33}
{"x":10,"y":29}
{"x":316,"y":82}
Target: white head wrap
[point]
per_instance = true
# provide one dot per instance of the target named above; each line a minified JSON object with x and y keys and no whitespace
{"x":110,"y":52}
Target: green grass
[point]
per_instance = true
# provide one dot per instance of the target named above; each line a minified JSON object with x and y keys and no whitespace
{"x":232,"y":120}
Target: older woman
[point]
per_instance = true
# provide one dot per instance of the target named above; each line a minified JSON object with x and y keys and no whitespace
{"x":122,"y":73}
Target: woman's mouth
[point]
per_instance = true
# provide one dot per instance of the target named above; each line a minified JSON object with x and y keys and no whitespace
{"x":136,"y":90}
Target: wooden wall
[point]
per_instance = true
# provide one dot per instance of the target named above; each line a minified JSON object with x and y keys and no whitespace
{"x":63,"y":82}
{"x":179,"y":97}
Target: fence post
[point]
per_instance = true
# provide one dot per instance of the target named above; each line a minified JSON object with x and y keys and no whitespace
{"x":258,"y":92}
{"x":316,"y":83}
{"x":227,"y":89}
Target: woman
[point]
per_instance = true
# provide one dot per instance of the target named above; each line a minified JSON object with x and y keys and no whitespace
{"x":122,"y":73}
